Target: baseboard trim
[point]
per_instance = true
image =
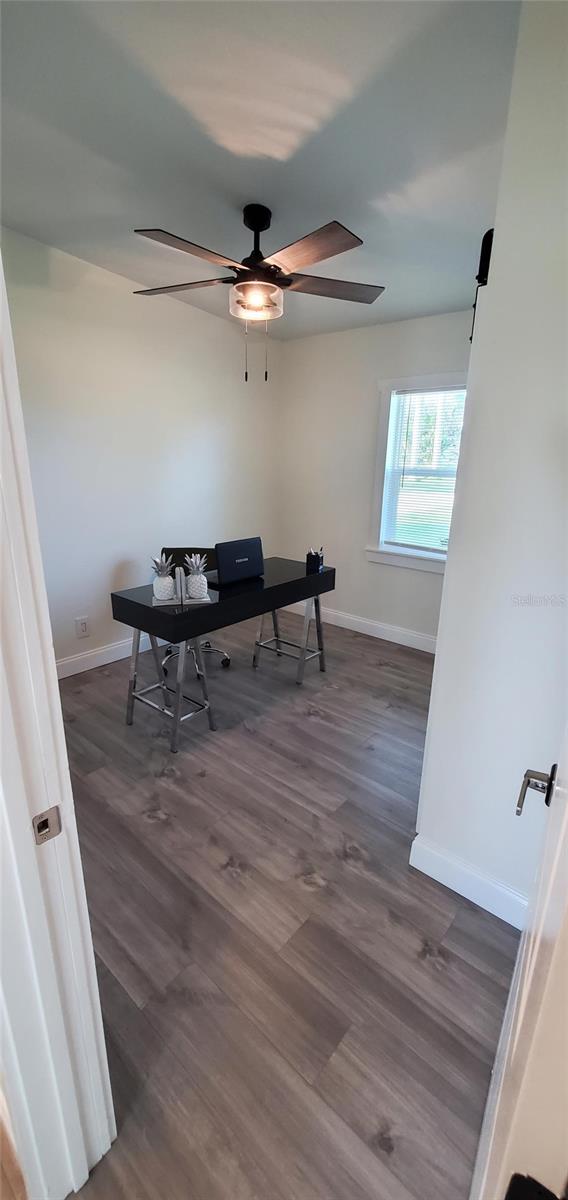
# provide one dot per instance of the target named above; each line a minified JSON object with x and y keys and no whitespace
{"x":376,"y":629}
{"x":462,"y":878}
{"x":99,"y":657}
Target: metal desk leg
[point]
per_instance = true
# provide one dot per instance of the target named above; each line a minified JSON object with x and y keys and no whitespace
{"x":276,"y":632}
{"x":256,"y":654}
{"x":179,"y":697}
{"x":160,"y":671}
{"x":198,"y":654}
{"x":319,"y":631}
{"x":132,"y":676}
{"x":305,"y":639}
{"x":194,"y":657}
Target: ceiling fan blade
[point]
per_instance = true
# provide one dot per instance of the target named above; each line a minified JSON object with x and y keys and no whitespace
{"x":181,"y":287}
{"x":337,"y":289}
{"x":178,"y":243}
{"x":315,"y":247}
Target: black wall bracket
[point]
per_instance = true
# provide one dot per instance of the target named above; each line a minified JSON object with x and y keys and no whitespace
{"x":482,"y":270}
{"x":522,"y":1187}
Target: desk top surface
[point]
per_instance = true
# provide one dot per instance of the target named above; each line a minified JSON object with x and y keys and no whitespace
{"x":284,"y":581}
{"x":277,"y":571}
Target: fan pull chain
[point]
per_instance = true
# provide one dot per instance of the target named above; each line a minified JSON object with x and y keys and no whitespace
{"x":265,"y":352}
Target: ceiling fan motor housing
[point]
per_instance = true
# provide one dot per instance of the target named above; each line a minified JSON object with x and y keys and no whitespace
{"x":257,"y":217}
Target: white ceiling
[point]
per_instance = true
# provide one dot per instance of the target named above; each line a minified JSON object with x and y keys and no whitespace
{"x":388,"y":117}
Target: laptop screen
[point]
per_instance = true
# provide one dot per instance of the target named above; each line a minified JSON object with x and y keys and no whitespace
{"x":240,"y":559}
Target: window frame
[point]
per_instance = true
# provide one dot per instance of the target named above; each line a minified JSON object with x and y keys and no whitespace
{"x":377,"y":551}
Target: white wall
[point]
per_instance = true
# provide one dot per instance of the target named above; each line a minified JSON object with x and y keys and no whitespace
{"x":499,"y":694}
{"x":328,"y":425}
{"x":141,"y":431}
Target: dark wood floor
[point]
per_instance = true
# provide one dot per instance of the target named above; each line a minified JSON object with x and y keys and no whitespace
{"x":292,"y":1013}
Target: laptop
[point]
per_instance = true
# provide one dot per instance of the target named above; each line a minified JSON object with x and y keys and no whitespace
{"x":237,"y":561}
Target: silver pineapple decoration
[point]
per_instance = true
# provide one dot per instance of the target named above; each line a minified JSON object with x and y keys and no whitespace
{"x":164,"y":583}
{"x":197,"y":582}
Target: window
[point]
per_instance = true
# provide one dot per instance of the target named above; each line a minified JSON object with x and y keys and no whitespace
{"x":423,"y":444}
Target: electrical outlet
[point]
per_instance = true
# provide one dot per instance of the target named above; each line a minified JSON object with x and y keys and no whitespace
{"x":82,"y":627}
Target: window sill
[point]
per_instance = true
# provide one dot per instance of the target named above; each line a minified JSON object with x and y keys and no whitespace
{"x":406,"y":558}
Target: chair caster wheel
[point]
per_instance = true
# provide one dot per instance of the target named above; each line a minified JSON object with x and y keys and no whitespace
{"x":225,"y":662}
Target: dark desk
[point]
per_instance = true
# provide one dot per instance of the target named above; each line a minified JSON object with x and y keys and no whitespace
{"x":285,"y":582}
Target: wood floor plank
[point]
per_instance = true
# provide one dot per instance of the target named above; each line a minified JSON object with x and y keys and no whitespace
{"x":303,"y":1025}
{"x":327,"y":872}
{"x":401,"y":1112}
{"x":292,"y":1012}
{"x":329,"y":778}
{"x":369,"y":993}
{"x":138,"y":921}
{"x":172,"y":919}
{"x":482,"y":940}
{"x":129,"y":864}
{"x":309,"y":1152}
{"x":170,"y":1143}
{"x":421,"y":962}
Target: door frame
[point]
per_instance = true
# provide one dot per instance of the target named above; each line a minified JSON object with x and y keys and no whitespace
{"x":55,"y":1070}
{"x":509,"y":1142}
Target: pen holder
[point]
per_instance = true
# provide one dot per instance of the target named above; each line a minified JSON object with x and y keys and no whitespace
{"x":314,"y":563}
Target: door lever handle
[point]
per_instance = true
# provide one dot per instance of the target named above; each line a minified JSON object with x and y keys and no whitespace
{"x":539,"y":781}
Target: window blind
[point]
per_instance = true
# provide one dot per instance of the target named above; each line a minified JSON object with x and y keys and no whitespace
{"x":420,"y":471}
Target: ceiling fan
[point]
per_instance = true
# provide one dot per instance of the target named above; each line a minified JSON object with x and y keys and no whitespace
{"x":258,"y":283}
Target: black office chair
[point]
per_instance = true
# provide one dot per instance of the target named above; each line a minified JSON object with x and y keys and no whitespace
{"x":177,"y":554}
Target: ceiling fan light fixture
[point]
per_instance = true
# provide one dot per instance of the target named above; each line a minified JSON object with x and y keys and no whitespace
{"x":256,"y":301}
